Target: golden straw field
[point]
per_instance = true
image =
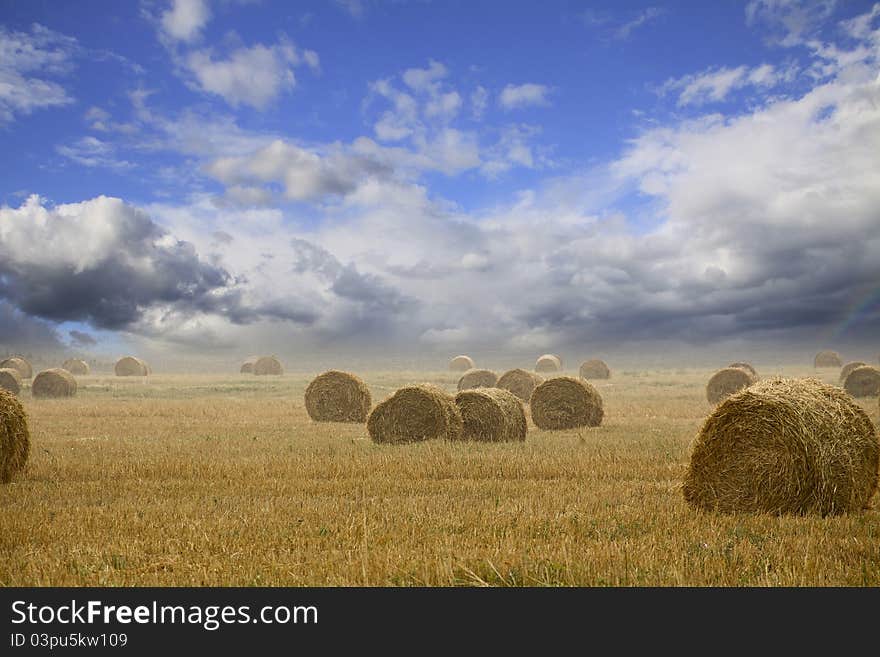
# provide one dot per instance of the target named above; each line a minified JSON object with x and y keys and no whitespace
{"x":224,"y":480}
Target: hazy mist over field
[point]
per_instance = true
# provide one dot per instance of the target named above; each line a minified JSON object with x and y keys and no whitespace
{"x":388,"y":184}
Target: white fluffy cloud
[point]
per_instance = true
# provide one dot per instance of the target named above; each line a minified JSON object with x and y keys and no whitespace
{"x":26,"y":58}
{"x":303,"y":174}
{"x":253,"y":76}
{"x":761,"y":224}
{"x":765,"y":227}
{"x":790,"y":21}
{"x":421,"y":123}
{"x":715,"y":85}
{"x":92,"y":152}
{"x":514,"y":96}
{"x":184,"y":19}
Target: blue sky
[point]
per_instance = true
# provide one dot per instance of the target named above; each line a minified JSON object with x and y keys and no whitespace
{"x":372,"y":172}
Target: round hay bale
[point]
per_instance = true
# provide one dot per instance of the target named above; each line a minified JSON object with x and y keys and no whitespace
{"x":10,"y":380}
{"x":76,"y":366}
{"x":477,"y":379}
{"x":747,"y":367}
{"x":415,"y":413}
{"x":726,"y":382}
{"x":827,"y":359}
{"x":268,"y":365}
{"x":15,"y":439}
{"x":849,"y":367}
{"x":55,"y":382}
{"x":247,"y":367}
{"x":595,"y":369}
{"x":18,"y":363}
{"x":863,"y":382}
{"x":461,"y":364}
{"x":131,"y":366}
{"x":520,"y":382}
{"x":548,"y":363}
{"x":491,"y":415}
{"x":784,"y":446}
{"x":338,"y":397}
{"x":566,"y":403}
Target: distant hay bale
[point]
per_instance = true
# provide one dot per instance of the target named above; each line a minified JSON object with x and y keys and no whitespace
{"x":131,"y":366}
{"x":827,"y":359}
{"x":76,"y":366}
{"x":747,"y":367}
{"x":726,"y":382}
{"x":15,"y":439}
{"x":595,"y":369}
{"x":863,"y":382}
{"x":10,"y":380}
{"x":520,"y":382}
{"x":461,"y":364}
{"x":566,"y":403}
{"x":18,"y":363}
{"x":338,"y":397}
{"x":784,"y":446}
{"x":415,"y":413}
{"x":55,"y":382}
{"x":247,"y":367}
{"x":478,"y":379}
{"x":548,"y":363}
{"x":849,"y":367}
{"x":491,"y":415}
{"x":268,"y":365}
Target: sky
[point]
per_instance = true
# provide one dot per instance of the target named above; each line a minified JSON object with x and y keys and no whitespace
{"x":228,"y":177}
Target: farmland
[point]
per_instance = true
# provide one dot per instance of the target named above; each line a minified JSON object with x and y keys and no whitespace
{"x":224,"y":480}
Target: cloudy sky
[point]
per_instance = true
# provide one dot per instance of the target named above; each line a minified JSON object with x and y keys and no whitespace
{"x":240,"y":176}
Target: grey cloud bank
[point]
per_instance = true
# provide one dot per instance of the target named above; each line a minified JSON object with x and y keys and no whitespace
{"x":764,"y":231}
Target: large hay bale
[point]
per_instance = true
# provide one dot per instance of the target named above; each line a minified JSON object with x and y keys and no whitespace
{"x":461,"y":364}
{"x":76,"y":366}
{"x":338,"y":397}
{"x":849,"y":367}
{"x":827,"y":359}
{"x":477,"y":379}
{"x":566,"y":403}
{"x":594,"y":369}
{"x":863,"y":382}
{"x":268,"y":365}
{"x":747,"y":367}
{"x":131,"y":366}
{"x":548,"y":363}
{"x":10,"y":380}
{"x":18,"y":363}
{"x":415,"y":413}
{"x":520,"y":382}
{"x":15,"y":439}
{"x":55,"y":382}
{"x":726,"y":382}
{"x":491,"y":415}
{"x":784,"y":446}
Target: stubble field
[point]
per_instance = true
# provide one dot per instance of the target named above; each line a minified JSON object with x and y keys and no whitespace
{"x":223,"y":480}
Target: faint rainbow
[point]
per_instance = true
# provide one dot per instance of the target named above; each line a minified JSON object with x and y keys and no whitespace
{"x":862,"y":306}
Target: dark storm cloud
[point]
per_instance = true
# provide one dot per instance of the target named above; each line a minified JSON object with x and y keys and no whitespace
{"x":346,"y":282}
{"x":108,"y":263}
{"x":222,"y":237}
{"x":371,"y":291}
{"x":112,"y":292}
{"x":18,"y":331}
{"x":82,"y":339}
